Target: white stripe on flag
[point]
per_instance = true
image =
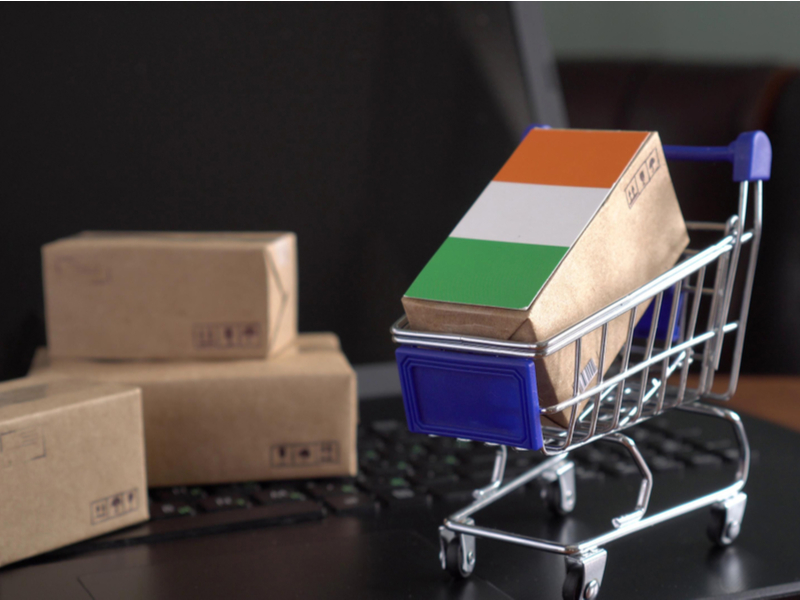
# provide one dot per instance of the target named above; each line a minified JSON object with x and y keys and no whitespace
{"x":525,"y":213}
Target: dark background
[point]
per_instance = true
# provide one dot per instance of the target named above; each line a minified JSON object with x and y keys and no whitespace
{"x":364,"y":129}
{"x":367,"y":129}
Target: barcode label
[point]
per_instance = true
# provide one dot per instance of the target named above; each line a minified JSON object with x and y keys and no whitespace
{"x":586,"y":376}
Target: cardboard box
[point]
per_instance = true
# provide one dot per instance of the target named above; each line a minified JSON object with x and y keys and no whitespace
{"x":170,"y":295}
{"x":292,"y":416}
{"x":71,"y":463}
{"x":574,"y":221}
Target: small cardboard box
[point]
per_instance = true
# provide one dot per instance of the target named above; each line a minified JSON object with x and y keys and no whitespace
{"x":292,"y":416}
{"x":574,"y":221}
{"x":170,"y":295}
{"x":71,"y":463}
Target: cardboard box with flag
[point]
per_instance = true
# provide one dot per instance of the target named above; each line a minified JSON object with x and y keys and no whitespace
{"x":573,"y":221}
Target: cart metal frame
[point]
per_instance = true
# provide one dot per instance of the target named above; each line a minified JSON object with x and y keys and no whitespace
{"x":636,"y":386}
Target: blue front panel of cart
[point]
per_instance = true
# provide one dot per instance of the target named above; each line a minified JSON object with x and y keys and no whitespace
{"x":471,"y":396}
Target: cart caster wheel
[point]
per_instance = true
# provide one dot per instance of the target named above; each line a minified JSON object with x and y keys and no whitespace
{"x":726,"y":519}
{"x":456,"y":553}
{"x":584,"y":575}
{"x":558,"y":489}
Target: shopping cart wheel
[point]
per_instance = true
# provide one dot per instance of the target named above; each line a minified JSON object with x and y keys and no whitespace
{"x":558,"y":488}
{"x":726,"y":519}
{"x":584,"y":575}
{"x":457,"y":552}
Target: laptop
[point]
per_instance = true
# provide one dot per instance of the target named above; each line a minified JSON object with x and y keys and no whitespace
{"x":376,"y":535}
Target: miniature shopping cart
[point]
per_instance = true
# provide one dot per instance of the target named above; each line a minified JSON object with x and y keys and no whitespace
{"x":448,"y":382}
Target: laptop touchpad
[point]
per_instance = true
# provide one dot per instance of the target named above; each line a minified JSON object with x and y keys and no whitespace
{"x":388,"y":565}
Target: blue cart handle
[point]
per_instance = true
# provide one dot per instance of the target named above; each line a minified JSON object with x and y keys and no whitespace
{"x":750,"y":154}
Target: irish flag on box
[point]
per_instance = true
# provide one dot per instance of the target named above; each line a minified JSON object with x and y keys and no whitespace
{"x":509,"y":243}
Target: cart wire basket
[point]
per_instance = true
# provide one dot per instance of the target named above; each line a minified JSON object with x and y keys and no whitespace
{"x":484,"y":390}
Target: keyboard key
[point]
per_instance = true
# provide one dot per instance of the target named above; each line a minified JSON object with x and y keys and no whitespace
{"x":327,"y":489}
{"x":701,"y":459}
{"x":474,"y":450}
{"x":483,"y":475}
{"x":381,"y":484}
{"x":650,"y":453}
{"x":389,"y":468}
{"x":416,"y":451}
{"x":280,"y":494}
{"x":386,"y":428}
{"x":435,"y":477}
{"x":348,"y":504}
{"x":237,"y":489}
{"x":620,"y":468}
{"x":724,"y":448}
{"x":663,"y":463}
{"x":465,"y":446}
{"x":639,"y":434}
{"x":369,"y":456}
{"x":688,"y":433}
{"x":717,"y":445}
{"x":168,"y":510}
{"x":403,"y":435}
{"x":588,"y":473}
{"x":405,"y":498}
{"x":687,"y":456}
{"x":525,"y":460}
{"x":673,"y":447}
{"x":226,"y":502}
{"x":437,"y":461}
{"x":460,"y":492}
{"x":732,"y":454}
{"x":426,"y":468}
{"x":442,"y":444}
{"x":590,"y":456}
{"x":480,"y":459}
{"x":371,"y":443}
{"x":179,"y":493}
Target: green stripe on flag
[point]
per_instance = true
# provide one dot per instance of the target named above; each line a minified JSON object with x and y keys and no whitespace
{"x":500,"y":274}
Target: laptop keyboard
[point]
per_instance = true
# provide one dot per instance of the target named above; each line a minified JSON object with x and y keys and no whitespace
{"x":399,"y":470}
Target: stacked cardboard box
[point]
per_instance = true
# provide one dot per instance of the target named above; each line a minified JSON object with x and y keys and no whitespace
{"x":170,"y":295}
{"x":291,"y":416}
{"x":71,"y":463}
{"x":285,"y":407}
{"x":183,"y":344}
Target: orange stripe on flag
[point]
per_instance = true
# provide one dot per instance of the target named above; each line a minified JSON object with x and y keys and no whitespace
{"x":572,"y":157}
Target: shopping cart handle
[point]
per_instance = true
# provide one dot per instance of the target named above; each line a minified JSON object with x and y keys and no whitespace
{"x":750,"y":154}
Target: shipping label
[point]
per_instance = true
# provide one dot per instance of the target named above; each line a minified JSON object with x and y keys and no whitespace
{"x":226,"y":335}
{"x":304,"y":455}
{"x":644,"y":174}
{"x":21,"y":445}
{"x":114,"y":506}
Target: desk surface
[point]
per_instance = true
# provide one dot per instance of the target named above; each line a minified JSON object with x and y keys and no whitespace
{"x":774,"y":398}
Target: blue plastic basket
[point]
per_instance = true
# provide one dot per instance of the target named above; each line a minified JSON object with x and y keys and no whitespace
{"x":642,"y":329}
{"x":482,"y":398}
